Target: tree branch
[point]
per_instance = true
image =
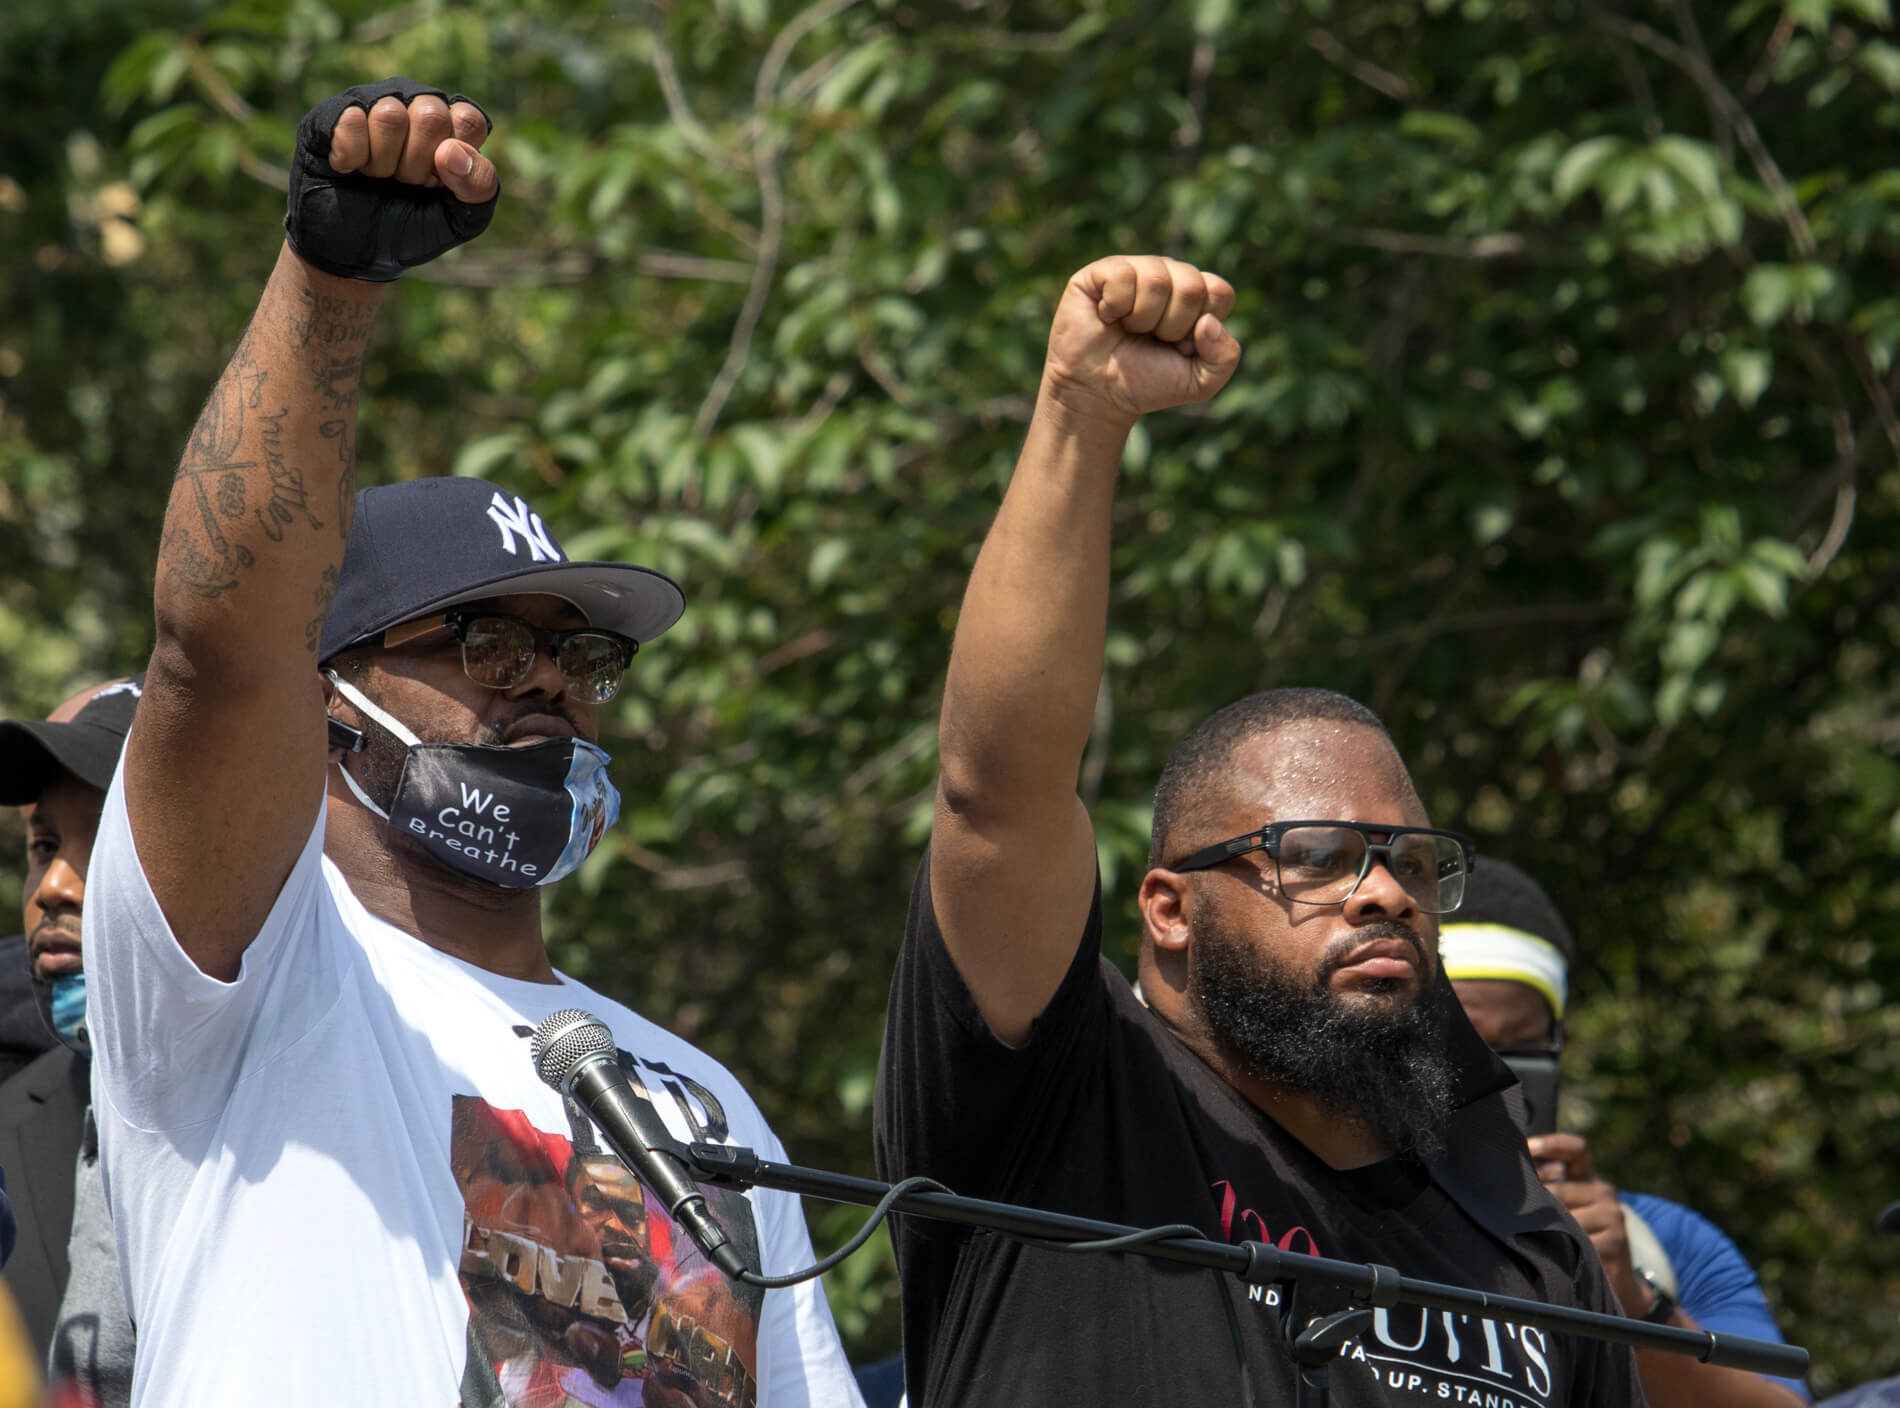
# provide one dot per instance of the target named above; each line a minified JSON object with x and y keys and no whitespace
{"x":1191,"y":132}
{"x":1771,"y":55}
{"x":668,"y":876}
{"x":1494,"y":619}
{"x":681,"y":110}
{"x":1026,"y":42}
{"x":772,"y":209}
{"x":1691,"y":33}
{"x":1339,"y":56}
{"x":503,"y":268}
{"x":1845,"y":498}
{"x":666,"y":264}
{"x":1697,"y":66}
{"x":1694,"y":60}
{"x":1504,"y":245}
{"x":1633,"y":75}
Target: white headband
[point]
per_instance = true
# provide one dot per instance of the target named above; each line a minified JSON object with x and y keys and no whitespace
{"x":1511,"y":955}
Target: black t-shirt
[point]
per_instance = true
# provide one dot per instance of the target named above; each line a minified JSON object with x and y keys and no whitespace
{"x":1104,"y":1113}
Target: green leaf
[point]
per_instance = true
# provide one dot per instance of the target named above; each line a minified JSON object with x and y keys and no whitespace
{"x":134,"y":74}
{"x":1695,"y":162}
{"x":1748,"y":371}
{"x":1880,"y":61}
{"x":857,"y":67}
{"x":826,"y":559}
{"x":1761,"y":586}
{"x":1657,"y":570}
{"x":480,"y":458}
{"x":1578,"y":168}
{"x":1211,"y":17}
{"x":1672,"y":700}
{"x":1449,"y":128}
{"x":764,"y":448}
{"x":1136,"y":448}
{"x":1779,"y":556}
{"x":1689,"y":643}
{"x":1722,"y":530}
{"x":1768,"y":293}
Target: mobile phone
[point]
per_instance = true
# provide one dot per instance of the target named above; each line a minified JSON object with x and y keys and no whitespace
{"x":1537,"y":1084}
{"x":350,"y":740}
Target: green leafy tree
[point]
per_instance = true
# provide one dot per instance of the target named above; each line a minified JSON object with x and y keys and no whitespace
{"x":1565,"y":437}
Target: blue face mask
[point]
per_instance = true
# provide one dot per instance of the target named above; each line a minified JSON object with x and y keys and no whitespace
{"x":69,"y":1006}
{"x":62,"y":1004}
{"x":515,"y":817}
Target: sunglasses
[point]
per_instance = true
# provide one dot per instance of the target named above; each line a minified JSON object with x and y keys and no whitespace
{"x":498,"y":651}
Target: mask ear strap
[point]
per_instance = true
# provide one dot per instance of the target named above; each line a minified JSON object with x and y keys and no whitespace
{"x":362,"y":702}
{"x":388,"y":721}
{"x":361,"y":795}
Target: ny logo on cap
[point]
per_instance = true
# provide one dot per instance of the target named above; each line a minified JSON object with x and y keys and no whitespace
{"x":519,"y":518}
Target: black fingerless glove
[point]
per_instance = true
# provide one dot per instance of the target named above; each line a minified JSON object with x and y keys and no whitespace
{"x":365,"y":227}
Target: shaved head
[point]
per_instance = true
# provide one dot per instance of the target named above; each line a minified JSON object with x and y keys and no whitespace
{"x":1306,"y":766}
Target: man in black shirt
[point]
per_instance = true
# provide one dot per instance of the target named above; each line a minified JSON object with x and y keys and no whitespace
{"x":1293,"y":1069}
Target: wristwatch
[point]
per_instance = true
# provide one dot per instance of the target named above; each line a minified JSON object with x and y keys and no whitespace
{"x":1663,"y":1304}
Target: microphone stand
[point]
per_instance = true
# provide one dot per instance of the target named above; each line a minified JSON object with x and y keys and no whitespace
{"x":1330,"y":1302}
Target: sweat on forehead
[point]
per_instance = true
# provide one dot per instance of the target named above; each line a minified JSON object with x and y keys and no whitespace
{"x":1313,"y":765}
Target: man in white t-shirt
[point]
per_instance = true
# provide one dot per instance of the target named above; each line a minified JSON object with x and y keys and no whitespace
{"x":317,"y":961}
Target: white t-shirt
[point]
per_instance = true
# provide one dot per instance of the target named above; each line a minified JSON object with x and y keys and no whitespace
{"x":338,"y":1180}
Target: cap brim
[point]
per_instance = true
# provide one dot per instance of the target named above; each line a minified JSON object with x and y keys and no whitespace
{"x":31,"y":751}
{"x":633,"y":601}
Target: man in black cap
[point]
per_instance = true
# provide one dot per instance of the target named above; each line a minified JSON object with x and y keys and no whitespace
{"x":318,"y":958}
{"x":57,"y":772}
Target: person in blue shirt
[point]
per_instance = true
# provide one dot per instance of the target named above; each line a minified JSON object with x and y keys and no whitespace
{"x":1508,"y":953}
{"x":1882,"y":1393}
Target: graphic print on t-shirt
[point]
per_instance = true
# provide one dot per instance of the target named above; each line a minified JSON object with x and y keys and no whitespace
{"x":1409,"y":1351}
{"x":581,"y":1291}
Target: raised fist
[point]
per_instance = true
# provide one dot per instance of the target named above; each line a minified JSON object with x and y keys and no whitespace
{"x":387,"y":176}
{"x":1140,"y":333}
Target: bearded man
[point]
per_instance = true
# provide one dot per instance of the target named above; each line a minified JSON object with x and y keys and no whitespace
{"x":1293,"y":1068}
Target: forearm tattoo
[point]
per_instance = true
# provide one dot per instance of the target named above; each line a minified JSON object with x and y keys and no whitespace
{"x":195,"y":552}
{"x":245,"y":462}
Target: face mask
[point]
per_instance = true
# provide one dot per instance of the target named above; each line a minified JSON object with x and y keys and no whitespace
{"x":62,"y":1004}
{"x":516,"y":817}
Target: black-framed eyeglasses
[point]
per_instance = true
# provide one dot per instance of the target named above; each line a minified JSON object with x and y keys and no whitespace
{"x":1323,"y":862}
{"x":498,"y":651}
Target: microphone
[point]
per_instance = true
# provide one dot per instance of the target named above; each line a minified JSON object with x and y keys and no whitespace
{"x":575,"y":1053}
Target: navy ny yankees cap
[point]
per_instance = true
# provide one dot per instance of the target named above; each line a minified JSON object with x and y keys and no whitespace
{"x":87,"y":745}
{"x":426,"y":545}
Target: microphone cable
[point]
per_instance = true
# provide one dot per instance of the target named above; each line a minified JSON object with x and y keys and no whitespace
{"x":1122,"y":1243}
{"x":858,"y":1238}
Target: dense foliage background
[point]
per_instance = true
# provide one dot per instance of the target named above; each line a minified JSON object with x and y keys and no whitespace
{"x":1566,"y":438}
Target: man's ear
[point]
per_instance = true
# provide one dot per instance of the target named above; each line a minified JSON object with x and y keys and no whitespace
{"x":1166,"y":900}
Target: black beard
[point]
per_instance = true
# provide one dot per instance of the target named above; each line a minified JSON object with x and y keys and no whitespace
{"x":378,"y":768}
{"x":1384,"y":1065}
